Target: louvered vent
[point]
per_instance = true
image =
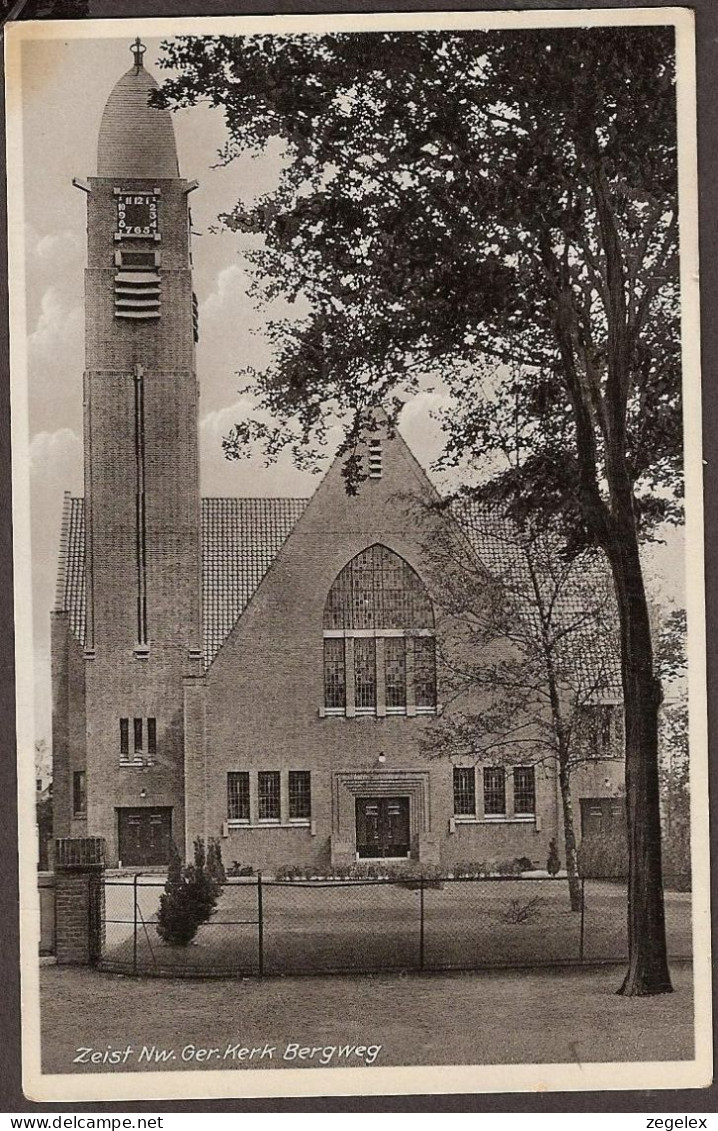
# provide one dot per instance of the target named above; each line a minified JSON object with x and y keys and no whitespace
{"x":375,"y":461}
{"x":137,"y":285}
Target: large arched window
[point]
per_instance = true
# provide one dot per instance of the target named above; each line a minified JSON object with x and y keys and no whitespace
{"x":379,"y":654}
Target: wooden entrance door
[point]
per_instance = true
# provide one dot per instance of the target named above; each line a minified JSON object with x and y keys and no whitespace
{"x":382,"y":827}
{"x":603,"y":816}
{"x":144,"y":836}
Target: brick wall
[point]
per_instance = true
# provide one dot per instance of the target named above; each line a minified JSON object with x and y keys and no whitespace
{"x":79,"y":901}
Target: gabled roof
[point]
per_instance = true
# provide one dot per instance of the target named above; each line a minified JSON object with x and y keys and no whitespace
{"x":242,"y":537}
{"x":70,"y":592}
{"x":240,"y":540}
{"x":576,"y":597}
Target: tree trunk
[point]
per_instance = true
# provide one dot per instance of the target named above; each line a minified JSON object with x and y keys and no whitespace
{"x":647,"y":954}
{"x":569,"y":834}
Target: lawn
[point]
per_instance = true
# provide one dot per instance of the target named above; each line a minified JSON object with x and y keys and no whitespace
{"x":374,"y":927}
{"x":571,"y":1016}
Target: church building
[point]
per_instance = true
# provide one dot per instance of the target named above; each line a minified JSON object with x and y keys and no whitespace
{"x":261,"y":670}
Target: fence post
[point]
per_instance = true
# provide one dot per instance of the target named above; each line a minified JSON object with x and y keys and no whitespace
{"x":583,"y":918}
{"x":260,"y":924}
{"x":134,"y":922}
{"x":421,"y":921}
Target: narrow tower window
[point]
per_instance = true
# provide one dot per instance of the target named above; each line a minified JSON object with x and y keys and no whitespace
{"x":124,"y":740}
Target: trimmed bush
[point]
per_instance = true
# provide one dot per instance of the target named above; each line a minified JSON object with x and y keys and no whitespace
{"x":553,"y":864}
{"x":189,"y":897}
{"x":215,"y":866}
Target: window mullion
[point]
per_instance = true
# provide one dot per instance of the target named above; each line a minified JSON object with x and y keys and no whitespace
{"x":284,"y":796}
{"x":349,"y":677}
{"x":380,"y":677}
{"x":253,"y":799}
{"x":410,"y":689}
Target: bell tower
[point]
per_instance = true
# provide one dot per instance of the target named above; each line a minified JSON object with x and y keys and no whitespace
{"x":142,"y":506}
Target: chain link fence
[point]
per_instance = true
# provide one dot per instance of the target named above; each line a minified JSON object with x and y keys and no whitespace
{"x":275,"y":927}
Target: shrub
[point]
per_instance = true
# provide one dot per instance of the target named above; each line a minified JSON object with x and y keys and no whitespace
{"x":506,"y":868}
{"x":521,"y":911}
{"x":215,"y":866}
{"x":189,"y":897}
{"x":523,"y":864}
{"x":237,"y":869}
{"x":553,"y":864}
{"x":603,"y":857}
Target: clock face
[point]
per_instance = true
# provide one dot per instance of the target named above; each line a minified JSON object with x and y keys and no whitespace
{"x":137,"y":215}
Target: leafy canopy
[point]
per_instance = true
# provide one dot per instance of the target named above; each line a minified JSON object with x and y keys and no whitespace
{"x":458,"y":205}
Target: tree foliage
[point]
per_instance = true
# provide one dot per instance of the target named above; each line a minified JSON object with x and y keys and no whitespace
{"x":529,"y":653}
{"x":447,"y":199}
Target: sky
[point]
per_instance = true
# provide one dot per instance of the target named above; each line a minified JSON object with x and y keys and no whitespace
{"x":65,"y":85}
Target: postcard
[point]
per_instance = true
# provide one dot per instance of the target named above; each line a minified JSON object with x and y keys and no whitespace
{"x":358,"y":554}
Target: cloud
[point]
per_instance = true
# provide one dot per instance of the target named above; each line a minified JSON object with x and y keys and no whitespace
{"x":54,"y":248}
{"x":59,"y":326}
{"x":230,"y":292}
{"x":57,"y":458}
{"x":247,"y":478}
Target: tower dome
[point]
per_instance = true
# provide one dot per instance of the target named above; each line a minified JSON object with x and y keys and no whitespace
{"x":136,"y":140}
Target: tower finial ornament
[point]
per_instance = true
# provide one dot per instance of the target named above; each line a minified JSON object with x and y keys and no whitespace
{"x":138,"y":49}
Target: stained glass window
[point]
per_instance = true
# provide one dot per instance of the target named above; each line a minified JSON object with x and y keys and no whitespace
{"x":395,"y":671}
{"x":425,"y":671}
{"x":378,"y":589}
{"x":365,"y":672}
{"x":334,"y":673}
{"x":379,"y":595}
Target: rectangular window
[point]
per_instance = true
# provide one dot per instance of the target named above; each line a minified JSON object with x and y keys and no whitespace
{"x":151,"y":738}
{"x":395,"y":668}
{"x":424,"y":671}
{"x":334,"y":673}
{"x":124,"y":740}
{"x":79,"y":794}
{"x":464,"y":791}
{"x":268,"y":795}
{"x":238,"y":796}
{"x":494,"y":791}
{"x":300,"y":795}
{"x":524,"y":791}
{"x":365,"y":672}
{"x":138,"y":738}
{"x":599,"y":730}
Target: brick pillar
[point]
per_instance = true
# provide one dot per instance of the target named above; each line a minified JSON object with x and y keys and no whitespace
{"x":79,"y":900}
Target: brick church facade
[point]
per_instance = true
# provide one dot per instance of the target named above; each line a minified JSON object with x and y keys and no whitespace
{"x":258,"y":670}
